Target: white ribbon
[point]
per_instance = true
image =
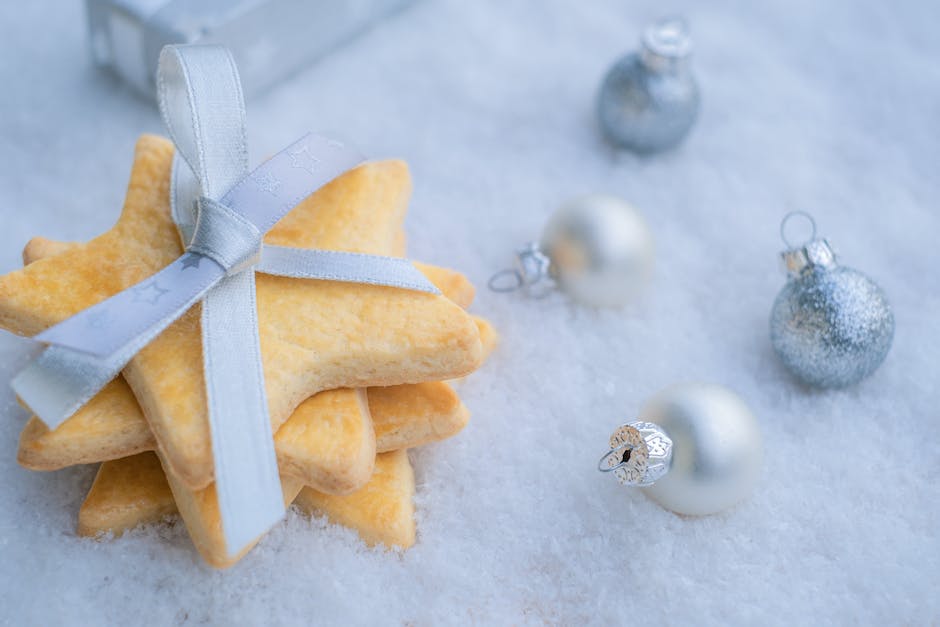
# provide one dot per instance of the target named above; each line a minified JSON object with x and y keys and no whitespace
{"x":222,"y":213}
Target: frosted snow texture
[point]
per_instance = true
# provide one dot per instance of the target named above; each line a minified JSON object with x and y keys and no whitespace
{"x":828,"y":106}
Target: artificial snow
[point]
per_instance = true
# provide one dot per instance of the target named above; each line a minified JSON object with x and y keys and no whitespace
{"x":829,"y":107}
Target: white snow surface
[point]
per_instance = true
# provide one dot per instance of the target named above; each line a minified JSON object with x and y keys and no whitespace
{"x":830,"y":107}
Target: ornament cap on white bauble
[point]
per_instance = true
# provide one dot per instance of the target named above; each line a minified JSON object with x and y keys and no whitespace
{"x":831,"y":325}
{"x":600,"y":248}
{"x":708,"y":441}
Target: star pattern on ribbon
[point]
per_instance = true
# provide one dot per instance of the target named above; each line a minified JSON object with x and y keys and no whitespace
{"x":304,"y":159}
{"x":267,"y":182}
{"x":150,"y":293}
{"x":99,"y":320}
{"x":191,"y":261}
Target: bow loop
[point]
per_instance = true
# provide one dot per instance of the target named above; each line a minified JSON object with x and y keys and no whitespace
{"x":225,"y":236}
{"x":203,"y":108}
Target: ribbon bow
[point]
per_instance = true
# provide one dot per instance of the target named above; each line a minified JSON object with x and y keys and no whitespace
{"x":222,"y":212}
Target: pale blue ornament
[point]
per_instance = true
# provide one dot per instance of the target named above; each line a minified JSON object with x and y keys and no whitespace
{"x":649,"y":99}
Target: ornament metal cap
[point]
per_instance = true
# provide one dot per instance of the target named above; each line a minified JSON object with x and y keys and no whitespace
{"x":666,"y":43}
{"x":640,"y":454}
{"x":811,"y":253}
{"x":532,"y":273}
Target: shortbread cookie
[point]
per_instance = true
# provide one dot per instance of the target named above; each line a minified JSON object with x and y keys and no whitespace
{"x":383,"y":511}
{"x":413,"y":415}
{"x":489,"y":338}
{"x":110,"y":426}
{"x":87,"y":438}
{"x":328,"y":442}
{"x":199,"y":510}
{"x":126,"y":492}
{"x":315,"y":335}
{"x":133,"y":491}
{"x":452,"y":284}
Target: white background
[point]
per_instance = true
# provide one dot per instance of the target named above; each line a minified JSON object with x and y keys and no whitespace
{"x":830,"y":107}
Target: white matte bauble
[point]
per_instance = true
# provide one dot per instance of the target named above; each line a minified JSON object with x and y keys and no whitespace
{"x":600,"y":248}
{"x":716,"y":448}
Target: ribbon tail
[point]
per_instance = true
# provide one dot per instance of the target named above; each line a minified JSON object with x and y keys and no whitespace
{"x":58,"y":382}
{"x":69,"y":372}
{"x":248,"y":485}
{"x":332,"y":265}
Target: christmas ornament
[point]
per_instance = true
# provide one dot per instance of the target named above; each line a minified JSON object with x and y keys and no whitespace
{"x":696,"y":449}
{"x":596,"y":248}
{"x":831,"y":325}
{"x":649,"y":99}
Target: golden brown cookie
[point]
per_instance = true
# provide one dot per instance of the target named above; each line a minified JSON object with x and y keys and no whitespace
{"x":412,"y":415}
{"x":452,"y":284}
{"x":328,"y":442}
{"x":134,"y":490}
{"x":111,"y":425}
{"x":489,"y":338}
{"x":199,"y":510}
{"x":382,"y":512}
{"x":315,"y":335}
{"x":126,"y":493}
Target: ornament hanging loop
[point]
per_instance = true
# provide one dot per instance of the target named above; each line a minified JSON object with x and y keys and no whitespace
{"x":531,"y":273}
{"x":505,"y":281}
{"x":787,"y":219}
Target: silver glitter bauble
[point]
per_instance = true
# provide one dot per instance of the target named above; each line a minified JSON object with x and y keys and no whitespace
{"x":600,"y":250}
{"x":649,"y":99}
{"x":832,"y":326}
{"x":696,"y":449}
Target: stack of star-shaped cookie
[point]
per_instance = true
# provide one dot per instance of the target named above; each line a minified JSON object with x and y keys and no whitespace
{"x":355,"y":374}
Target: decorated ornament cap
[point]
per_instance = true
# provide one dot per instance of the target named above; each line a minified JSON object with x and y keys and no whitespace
{"x":811,"y":253}
{"x":640,"y":454}
{"x":666,"y":43}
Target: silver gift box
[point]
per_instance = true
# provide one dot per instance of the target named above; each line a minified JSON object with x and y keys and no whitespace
{"x":270,"y":39}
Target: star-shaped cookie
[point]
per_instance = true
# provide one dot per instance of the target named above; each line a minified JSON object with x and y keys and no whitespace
{"x":112,"y":426}
{"x":132,"y":491}
{"x":315,"y":335}
{"x":327,"y":443}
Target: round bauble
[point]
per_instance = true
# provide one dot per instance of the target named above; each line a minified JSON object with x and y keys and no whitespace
{"x":832,"y":326}
{"x":716,"y":448}
{"x":600,"y":248}
{"x":649,"y":100}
